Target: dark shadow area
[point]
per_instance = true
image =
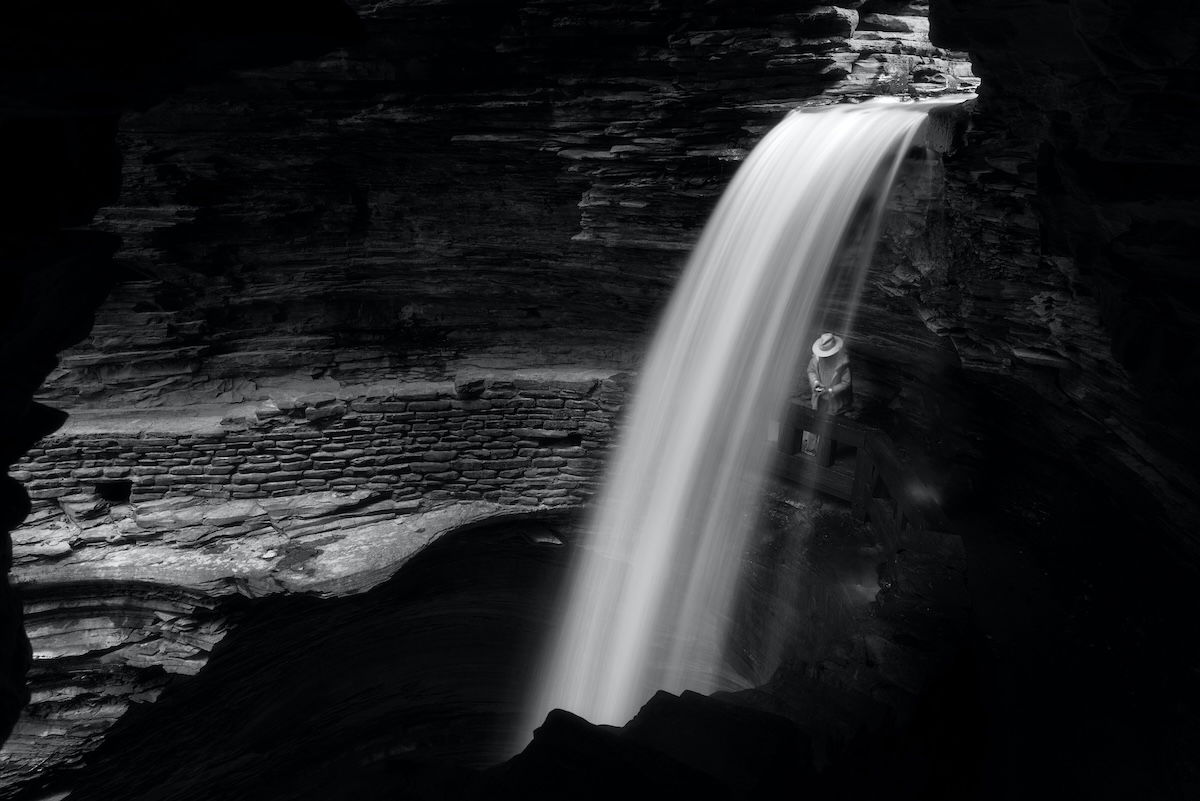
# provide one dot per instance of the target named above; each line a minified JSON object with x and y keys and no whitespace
{"x":1079,"y":677}
{"x":1070,"y":671}
{"x":1082,"y":615}
{"x":115,"y":491}
{"x":412,"y":689}
{"x":349,"y":697}
{"x":870,"y":688}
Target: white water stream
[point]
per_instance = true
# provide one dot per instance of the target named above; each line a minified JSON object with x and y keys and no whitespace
{"x":652,"y":590}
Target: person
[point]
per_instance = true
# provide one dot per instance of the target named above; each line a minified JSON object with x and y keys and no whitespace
{"x":831,"y":381}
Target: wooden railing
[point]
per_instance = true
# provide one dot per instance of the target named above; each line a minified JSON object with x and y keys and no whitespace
{"x":858,"y":464}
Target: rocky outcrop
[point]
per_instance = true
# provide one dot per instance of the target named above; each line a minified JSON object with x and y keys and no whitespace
{"x":123,"y":598}
{"x":99,"y":648}
{"x":69,"y":71}
{"x":1057,"y":260}
{"x":476,"y":192}
{"x":532,"y":439}
{"x":277,"y":695}
{"x":440,"y":651}
{"x":143,"y":522}
{"x":448,"y":194}
{"x":402,"y":273}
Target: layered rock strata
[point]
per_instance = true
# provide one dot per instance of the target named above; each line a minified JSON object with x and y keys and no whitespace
{"x":264,"y":219}
{"x":526,"y":439}
{"x":442,"y":652}
{"x":140,"y":592}
{"x":394,"y":211}
{"x":1080,"y":173}
{"x":336,"y":276}
{"x":70,"y":70}
{"x":142,"y":523}
{"x":293,"y":222}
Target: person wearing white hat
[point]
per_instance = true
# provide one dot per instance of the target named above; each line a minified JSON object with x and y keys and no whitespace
{"x":830,"y":379}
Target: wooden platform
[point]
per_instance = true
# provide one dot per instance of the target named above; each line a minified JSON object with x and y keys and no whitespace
{"x":836,"y":479}
{"x":837,"y":462}
{"x":857,"y":464}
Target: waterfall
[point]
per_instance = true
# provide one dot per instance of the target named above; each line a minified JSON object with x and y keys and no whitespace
{"x":653,"y":586}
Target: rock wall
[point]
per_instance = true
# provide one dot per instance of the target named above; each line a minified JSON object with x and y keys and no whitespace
{"x":514,"y":187}
{"x":341,"y":279}
{"x":142,"y":525}
{"x":1055,"y":247}
{"x":69,"y":72}
{"x":512,"y":191}
{"x":521,"y":440}
{"x":126,"y":597}
{"x":399,"y":279}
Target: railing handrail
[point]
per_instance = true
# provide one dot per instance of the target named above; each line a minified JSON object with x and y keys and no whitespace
{"x":913,"y":498}
{"x":911,"y":494}
{"x":842,"y":429}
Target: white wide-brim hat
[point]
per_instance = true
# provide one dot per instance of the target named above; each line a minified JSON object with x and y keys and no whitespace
{"x":827,"y":344}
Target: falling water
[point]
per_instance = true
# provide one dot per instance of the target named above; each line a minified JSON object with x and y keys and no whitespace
{"x":653,"y":586}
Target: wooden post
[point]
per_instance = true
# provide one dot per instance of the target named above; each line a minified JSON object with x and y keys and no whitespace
{"x":789,"y":436}
{"x":865,"y":479}
{"x":825,"y":444}
{"x":791,"y":430}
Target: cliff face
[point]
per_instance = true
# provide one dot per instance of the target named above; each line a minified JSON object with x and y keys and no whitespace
{"x":69,"y":71}
{"x":1081,"y":181}
{"x":506,"y":190}
{"x":369,"y":296}
{"x":363,"y":299}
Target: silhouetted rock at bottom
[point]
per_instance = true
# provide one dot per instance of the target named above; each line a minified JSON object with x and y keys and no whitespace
{"x":751,"y":751}
{"x":689,"y":746}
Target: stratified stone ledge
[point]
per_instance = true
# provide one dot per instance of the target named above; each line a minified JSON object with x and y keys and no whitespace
{"x":391,"y":438}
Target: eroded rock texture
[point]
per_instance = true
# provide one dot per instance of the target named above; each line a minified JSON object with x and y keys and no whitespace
{"x":121,"y":597}
{"x":69,"y":71}
{"x":467,"y":193}
{"x":509,"y":190}
{"x":1061,"y":256}
{"x":408,"y":272}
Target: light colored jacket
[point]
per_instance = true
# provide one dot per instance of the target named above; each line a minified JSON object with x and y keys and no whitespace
{"x":833,"y":373}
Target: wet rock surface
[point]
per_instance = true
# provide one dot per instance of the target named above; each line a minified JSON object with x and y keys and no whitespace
{"x":444,"y":651}
{"x":1059,"y":244}
{"x":495,"y":189}
{"x":399,"y":273}
{"x":526,"y":439}
{"x":70,"y":71}
{"x":441,"y":657}
{"x":146,"y":592}
{"x":513,"y":191}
